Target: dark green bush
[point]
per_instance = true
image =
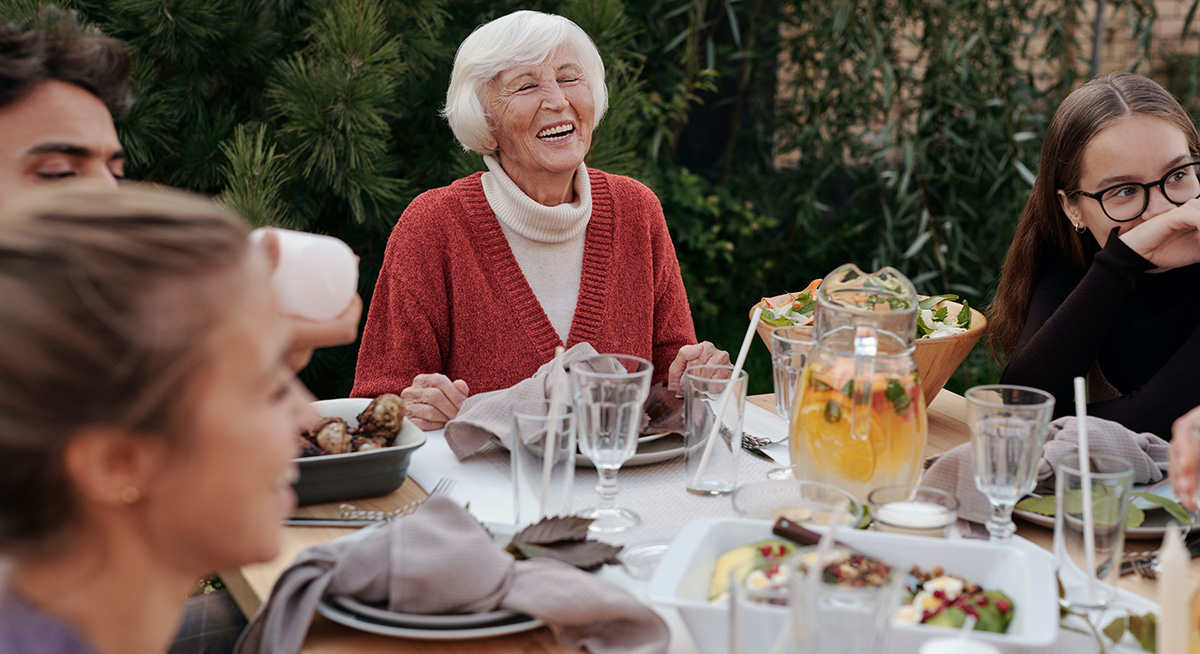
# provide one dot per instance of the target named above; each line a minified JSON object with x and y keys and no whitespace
{"x":908,"y":136}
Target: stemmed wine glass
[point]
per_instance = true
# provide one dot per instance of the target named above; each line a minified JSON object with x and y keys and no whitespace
{"x":1008,"y":428}
{"x":610,"y":390}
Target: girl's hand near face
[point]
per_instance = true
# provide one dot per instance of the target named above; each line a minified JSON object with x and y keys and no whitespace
{"x":1168,"y":240}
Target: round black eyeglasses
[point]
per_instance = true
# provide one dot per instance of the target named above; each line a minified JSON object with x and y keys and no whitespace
{"x":1128,"y":200}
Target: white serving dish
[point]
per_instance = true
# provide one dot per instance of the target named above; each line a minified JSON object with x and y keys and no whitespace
{"x":336,"y":477}
{"x":1022,"y":570}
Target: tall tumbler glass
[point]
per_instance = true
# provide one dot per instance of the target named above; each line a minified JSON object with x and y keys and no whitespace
{"x":1008,"y":428}
{"x":1111,"y":483}
{"x":789,"y":354}
{"x":759,"y":618}
{"x":712,"y":433}
{"x":833,"y":613}
{"x":543,"y":460}
{"x":610,"y":391}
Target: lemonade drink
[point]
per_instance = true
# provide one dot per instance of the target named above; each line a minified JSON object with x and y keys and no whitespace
{"x":820,"y":436}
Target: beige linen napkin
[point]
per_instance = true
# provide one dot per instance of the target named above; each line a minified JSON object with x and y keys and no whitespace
{"x":440,"y":560}
{"x":487,"y":414}
{"x":954,"y":470}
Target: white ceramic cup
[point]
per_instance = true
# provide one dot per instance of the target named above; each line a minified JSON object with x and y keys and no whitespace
{"x":317,"y":275}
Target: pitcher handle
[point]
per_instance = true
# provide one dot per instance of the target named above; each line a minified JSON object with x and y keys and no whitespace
{"x":866,"y":346}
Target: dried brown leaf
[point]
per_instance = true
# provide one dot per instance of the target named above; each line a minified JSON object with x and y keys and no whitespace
{"x":552,"y":530}
{"x":584,"y":554}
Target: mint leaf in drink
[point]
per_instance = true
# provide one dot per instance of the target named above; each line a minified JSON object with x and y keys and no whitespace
{"x":896,"y":395}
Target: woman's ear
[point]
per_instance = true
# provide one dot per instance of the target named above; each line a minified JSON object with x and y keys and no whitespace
{"x":111,"y":466}
{"x":1069,"y":208}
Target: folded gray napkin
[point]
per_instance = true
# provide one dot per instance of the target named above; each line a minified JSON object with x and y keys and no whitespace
{"x":954,"y":470}
{"x":486,"y":415}
{"x":440,"y":560}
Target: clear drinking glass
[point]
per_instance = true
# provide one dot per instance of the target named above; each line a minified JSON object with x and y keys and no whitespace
{"x":712,"y":433}
{"x":543,"y":460}
{"x":1111,"y":483}
{"x":610,"y":390}
{"x":789,"y":354}
{"x":830,"y":616}
{"x":759,"y":618}
{"x":1008,"y":428}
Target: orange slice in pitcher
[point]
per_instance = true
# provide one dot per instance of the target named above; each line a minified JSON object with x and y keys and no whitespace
{"x":826,"y":428}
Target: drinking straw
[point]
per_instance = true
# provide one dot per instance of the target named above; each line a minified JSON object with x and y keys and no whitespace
{"x":723,"y":401}
{"x":1085,"y":480}
{"x":550,"y":452}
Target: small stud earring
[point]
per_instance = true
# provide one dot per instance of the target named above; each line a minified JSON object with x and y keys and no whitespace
{"x":130,"y":495}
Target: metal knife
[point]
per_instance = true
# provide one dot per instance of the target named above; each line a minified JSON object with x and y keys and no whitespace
{"x":757,"y":452}
{"x":352,"y":523}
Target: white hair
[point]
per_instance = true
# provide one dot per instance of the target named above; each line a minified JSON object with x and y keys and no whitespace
{"x":522,"y":38}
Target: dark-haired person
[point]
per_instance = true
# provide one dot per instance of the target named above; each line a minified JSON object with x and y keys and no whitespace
{"x":147,"y":414}
{"x":61,"y":82}
{"x":1101,"y":276}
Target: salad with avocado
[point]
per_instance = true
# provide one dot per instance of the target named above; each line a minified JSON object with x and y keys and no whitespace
{"x":945,"y":600}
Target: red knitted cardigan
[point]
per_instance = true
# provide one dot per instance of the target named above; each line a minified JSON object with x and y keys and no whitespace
{"x":451,"y":297}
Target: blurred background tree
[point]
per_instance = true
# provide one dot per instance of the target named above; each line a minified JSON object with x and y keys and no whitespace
{"x":783,"y":138}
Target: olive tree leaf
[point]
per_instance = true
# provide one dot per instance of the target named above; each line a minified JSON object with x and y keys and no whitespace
{"x":1144,"y":628}
{"x":552,"y":530}
{"x":1115,"y":629}
{"x":1173,"y":508}
{"x":1043,"y":505}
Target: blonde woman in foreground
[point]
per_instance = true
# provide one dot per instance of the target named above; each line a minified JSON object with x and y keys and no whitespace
{"x":147,"y":414}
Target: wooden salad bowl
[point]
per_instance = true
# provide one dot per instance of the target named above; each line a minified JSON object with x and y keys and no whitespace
{"x":937,"y":358}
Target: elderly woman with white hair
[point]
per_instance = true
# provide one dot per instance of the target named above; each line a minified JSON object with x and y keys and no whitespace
{"x":484,"y":278}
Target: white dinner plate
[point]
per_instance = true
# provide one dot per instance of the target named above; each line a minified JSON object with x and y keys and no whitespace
{"x":419,"y":620}
{"x":1155,"y":525}
{"x":653,"y":450}
{"x":516,"y":624}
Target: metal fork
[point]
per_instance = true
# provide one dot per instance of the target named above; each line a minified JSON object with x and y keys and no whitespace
{"x":352,"y":516}
{"x":1147,"y":568}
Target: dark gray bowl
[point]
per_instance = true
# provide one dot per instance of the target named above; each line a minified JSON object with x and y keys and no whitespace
{"x":337,"y":477}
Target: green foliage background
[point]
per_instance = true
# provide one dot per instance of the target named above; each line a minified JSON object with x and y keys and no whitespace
{"x":908,"y":136}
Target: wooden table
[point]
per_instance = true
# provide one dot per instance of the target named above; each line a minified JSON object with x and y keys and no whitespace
{"x":251,"y":585}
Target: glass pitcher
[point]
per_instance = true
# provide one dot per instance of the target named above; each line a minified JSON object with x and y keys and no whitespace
{"x":860,"y":422}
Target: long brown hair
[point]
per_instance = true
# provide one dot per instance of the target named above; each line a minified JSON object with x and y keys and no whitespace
{"x":1044,"y":230}
{"x":109,"y":298}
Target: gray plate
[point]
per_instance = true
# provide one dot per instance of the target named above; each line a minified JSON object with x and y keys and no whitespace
{"x":337,"y":477}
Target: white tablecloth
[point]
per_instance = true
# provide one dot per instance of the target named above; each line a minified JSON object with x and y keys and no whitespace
{"x":657,"y":493}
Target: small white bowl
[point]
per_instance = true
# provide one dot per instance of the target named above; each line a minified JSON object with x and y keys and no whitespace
{"x":1022,"y":570}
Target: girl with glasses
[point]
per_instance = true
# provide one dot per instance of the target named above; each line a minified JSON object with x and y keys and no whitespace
{"x":1101,"y":274}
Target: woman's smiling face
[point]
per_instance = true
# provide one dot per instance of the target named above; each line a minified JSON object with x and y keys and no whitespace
{"x":541,"y":118}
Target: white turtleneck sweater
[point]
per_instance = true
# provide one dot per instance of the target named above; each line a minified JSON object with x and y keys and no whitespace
{"x":547,"y":242}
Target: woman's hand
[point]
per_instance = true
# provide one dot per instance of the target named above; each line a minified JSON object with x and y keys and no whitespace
{"x":1183,"y":458}
{"x":308,"y":335}
{"x":1170,"y":239}
{"x":434,"y":399}
{"x":700,"y":354}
